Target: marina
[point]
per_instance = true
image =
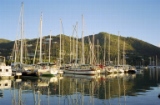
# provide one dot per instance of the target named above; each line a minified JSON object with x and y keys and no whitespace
{"x":79,"y":52}
{"x":110,"y":89}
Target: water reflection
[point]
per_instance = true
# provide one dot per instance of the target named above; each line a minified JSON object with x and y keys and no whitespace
{"x":80,"y":90}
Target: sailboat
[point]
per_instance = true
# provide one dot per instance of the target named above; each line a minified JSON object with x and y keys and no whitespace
{"x":45,"y":68}
{"x":33,"y":71}
{"x":103,"y":70}
{"x":18,"y":66}
{"x":108,"y":67}
{"x":119,"y":68}
{"x":81,"y":69}
{"x":60,"y":70}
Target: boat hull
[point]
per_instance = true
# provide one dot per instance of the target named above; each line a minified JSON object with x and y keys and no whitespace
{"x":81,"y":72}
{"x":5,"y":72}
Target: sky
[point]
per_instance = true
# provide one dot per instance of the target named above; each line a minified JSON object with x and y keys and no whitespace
{"x":131,"y":18}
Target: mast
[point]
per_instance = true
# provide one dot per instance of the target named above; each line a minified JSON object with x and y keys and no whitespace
{"x":22,"y":33}
{"x":90,"y":52}
{"x":72,"y":44}
{"x":15,"y":51}
{"x":63,"y":39}
{"x":98,"y":46}
{"x":40,"y":55}
{"x":123,"y":52}
{"x":60,"y":41}
{"x":93,"y":49}
{"x":104,"y":51}
{"x":73,"y":39}
{"x":118,"y":50}
{"x":83,"y":61}
{"x":76,"y":43}
{"x":70,"y":49}
{"x":35,"y":52}
{"x":109,"y":49}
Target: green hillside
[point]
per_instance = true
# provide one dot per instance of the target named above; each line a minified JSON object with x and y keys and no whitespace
{"x":5,"y":47}
{"x":136,"y":51}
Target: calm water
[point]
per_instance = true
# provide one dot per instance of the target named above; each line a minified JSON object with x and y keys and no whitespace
{"x":117,"y":89}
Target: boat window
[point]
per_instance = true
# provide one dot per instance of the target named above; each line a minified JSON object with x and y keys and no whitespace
{"x":0,"y":70}
{"x":6,"y":70}
{"x":6,"y":84}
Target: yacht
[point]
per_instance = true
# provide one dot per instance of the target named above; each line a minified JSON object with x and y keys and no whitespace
{"x":83,"y":69}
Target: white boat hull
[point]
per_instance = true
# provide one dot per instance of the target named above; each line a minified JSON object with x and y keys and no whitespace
{"x":47,"y":70}
{"x":81,"y":72}
{"x":5,"y":71}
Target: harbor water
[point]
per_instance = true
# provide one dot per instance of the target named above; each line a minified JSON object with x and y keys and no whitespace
{"x":141,"y":88}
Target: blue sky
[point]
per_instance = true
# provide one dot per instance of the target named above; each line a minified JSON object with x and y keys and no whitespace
{"x":131,"y":18}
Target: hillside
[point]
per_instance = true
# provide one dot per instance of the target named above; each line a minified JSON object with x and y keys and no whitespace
{"x":136,"y":51}
{"x":5,"y":47}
